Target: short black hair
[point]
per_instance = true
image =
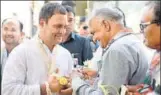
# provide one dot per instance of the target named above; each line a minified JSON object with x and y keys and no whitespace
{"x":69,"y":3}
{"x":49,"y":9}
{"x":82,"y":19}
{"x":21,"y":24}
{"x":69,"y":9}
{"x":157,"y":13}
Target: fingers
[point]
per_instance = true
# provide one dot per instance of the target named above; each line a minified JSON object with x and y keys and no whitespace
{"x":67,"y":91}
{"x":140,"y":85}
{"x":134,"y":88}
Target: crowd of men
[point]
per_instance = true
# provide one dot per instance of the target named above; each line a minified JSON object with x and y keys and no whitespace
{"x":118,"y":67}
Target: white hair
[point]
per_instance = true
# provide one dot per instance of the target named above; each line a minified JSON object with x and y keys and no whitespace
{"x":108,"y":13}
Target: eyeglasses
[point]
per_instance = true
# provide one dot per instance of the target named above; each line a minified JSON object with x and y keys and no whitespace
{"x":85,"y":27}
{"x":144,"y":25}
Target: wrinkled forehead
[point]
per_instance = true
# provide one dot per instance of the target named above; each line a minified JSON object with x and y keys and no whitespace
{"x":146,"y":14}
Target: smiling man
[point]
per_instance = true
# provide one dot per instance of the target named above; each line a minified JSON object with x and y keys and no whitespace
{"x":29,"y":67}
{"x":150,"y":27}
{"x":12,"y":35}
{"x":123,"y":60}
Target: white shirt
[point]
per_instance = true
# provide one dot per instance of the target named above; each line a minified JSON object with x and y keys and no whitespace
{"x":3,"y":57}
{"x":26,"y":69}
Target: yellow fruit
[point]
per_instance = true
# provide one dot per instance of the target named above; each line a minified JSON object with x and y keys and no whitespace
{"x":63,"y":81}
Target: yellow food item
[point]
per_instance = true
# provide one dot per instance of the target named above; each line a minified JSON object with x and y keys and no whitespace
{"x":63,"y":80}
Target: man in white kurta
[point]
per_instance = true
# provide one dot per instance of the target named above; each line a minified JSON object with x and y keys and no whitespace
{"x":28,"y":67}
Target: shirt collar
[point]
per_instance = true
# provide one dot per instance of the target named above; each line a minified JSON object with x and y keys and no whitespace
{"x":117,"y":36}
{"x":72,"y":35}
{"x":5,"y":52}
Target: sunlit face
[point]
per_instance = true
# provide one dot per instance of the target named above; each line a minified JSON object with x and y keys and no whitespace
{"x":54,"y":28}
{"x":152,"y":31}
{"x":99,"y":31}
{"x":11,"y":32}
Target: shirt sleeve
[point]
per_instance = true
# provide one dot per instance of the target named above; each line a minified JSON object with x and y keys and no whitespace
{"x":115,"y":71}
{"x":80,"y":87}
{"x":87,"y":50}
{"x":13,"y":81}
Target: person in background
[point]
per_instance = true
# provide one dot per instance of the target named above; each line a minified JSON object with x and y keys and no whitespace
{"x":84,"y":31}
{"x":83,"y":27}
{"x":78,"y":46}
{"x":150,"y":27}
{"x":69,"y":3}
{"x":12,"y":34}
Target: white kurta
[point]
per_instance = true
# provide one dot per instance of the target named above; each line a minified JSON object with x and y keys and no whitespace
{"x":26,"y":69}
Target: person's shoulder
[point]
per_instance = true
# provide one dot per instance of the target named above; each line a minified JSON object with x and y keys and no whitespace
{"x":77,"y":36}
{"x":127,"y":41}
{"x":23,"y":47}
{"x":26,"y":44}
{"x":127,"y":45}
{"x":62,"y":50}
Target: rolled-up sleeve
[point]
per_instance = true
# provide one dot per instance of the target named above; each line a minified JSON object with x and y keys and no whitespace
{"x":13,"y":81}
{"x":80,"y":87}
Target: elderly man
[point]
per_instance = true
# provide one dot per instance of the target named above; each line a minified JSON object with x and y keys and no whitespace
{"x":150,"y":26}
{"x":12,"y":35}
{"x":123,"y":60}
{"x":30,"y":65}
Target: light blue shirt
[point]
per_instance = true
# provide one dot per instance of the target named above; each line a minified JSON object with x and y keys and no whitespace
{"x":124,"y":62}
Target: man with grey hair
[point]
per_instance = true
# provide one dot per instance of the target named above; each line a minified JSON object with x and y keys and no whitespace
{"x":123,"y":59}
